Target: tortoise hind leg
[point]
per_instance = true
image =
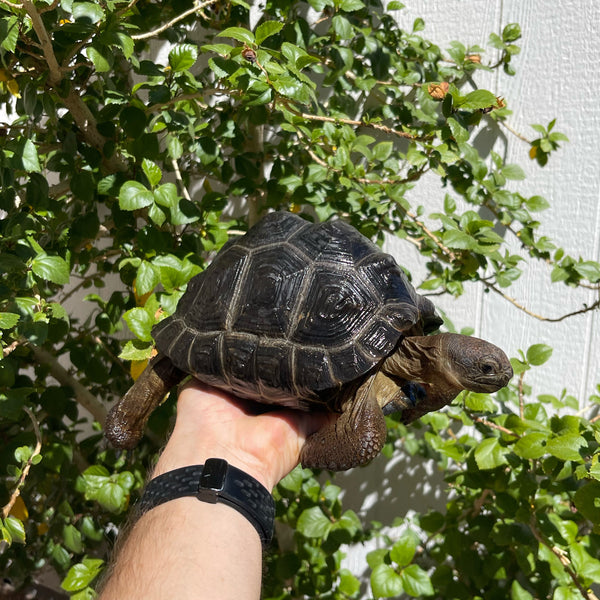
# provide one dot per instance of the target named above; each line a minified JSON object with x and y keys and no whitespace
{"x":353,"y":439}
{"x":125,"y":422}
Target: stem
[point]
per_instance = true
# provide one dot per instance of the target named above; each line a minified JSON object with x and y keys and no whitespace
{"x":179,"y":179}
{"x":38,"y":447}
{"x":82,"y":394}
{"x":521,"y":396}
{"x":45,"y":41}
{"x":196,"y":8}
{"x":495,"y":426}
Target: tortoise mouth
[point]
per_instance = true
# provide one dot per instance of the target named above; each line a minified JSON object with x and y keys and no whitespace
{"x":487,"y":383}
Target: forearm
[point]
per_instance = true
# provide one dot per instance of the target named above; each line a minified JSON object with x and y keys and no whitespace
{"x":188,"y":549}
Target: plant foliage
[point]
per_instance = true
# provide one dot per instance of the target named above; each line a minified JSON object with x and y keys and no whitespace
{"x":122,"y":173}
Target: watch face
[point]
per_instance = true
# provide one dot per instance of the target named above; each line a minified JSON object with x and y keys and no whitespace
{"x":212,"y":479}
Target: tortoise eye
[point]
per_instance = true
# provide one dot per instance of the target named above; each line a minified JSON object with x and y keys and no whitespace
{"x":487,"y":368}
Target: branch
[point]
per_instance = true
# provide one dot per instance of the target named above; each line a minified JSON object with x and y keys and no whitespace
{"x":45,"y":41}
{"x":38,"y":447}
{"x":495,"y":426}
{"x":196,"y":8}
{"x":564,"y":561}
{"x":82,"y":394}
{"x":593,"y":306}
{"x":179,"y":179}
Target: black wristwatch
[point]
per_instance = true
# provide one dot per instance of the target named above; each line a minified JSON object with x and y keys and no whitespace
{"x":215,"y":481}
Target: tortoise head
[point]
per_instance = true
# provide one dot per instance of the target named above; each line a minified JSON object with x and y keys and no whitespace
{"x":477,"y":365}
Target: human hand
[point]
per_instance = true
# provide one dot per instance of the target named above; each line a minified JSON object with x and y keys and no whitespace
{"x":212,"y":424}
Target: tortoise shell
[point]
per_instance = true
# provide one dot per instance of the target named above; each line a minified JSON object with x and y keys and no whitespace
{"x":291,"y":310}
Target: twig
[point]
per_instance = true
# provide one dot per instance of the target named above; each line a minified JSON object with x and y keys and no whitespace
{"x":179,"y":179}
{"x":521,"y":396}
{"x":11,"y":4}
{"x":82,"y":394}
{"x":50,"y":7}
{"x":196,"y":8}
{"x":495,"y":426}
{"x":10,"y":348}
{"x":564,"y":561}
{"x":593,"y":306}
{"x":37,"y":449}
{"x":514,"y":132}
{"x":377,"y":126}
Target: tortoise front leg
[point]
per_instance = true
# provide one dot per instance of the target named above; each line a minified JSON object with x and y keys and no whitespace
{"x":124,"y":425}
{"x":353,"y":439}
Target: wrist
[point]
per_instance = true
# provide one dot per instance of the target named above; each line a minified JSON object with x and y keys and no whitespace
{"x":185,"y":450}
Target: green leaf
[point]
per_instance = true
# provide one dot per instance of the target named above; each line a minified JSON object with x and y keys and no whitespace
{"x":8,"y":320}
{"x":239,"y":34}
{"x":416,"y":582}
{"x":29,"y":157}
{"x":9,"y":32}
{"x":490,"y":454}
{"x":102,"y":60}
{"x":453,"y":238}
{"x":15,"y":528}
{"x":385,"y":582}
{"x":136,"y":350}
{"x":147,"y":278}
{"x":140,"y":323}
{"x":531,"y":445}
{"x":313,"y":523}
{"x":382,"y":150}
{"x":51,"y":268}
{"x":72,"y":539}
{"x":82,"y":574}
{"x":351,"y":5}
{"x":152,"y":172}
{"x":267,"y":29}
{"x":566,"y":447}
{"x":478,"y":99}
{"x":166,"y":195}
{"x":112,"y":497}
{"x":349,"y":585}
{"x":133,"y":196}
{"x":182,"y":57}
{"x":589,"y":269}
{"x":517,"y":592}
{"x":88,"y":11}
{"x":512,"y":171}
{"x":538,"y":354}
{"x":586,"y":501}
{"x":403,"y":551}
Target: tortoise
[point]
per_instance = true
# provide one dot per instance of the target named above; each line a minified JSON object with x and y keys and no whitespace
{"x":311,"y":316}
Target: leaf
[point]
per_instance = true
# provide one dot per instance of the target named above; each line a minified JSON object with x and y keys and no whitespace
{"x":9,"y":32}
{"x":133,"y":196}
{"x":15,"y":528}
{"x":313,"y":523}
{"x":29,"y":157}
{"x":140,"y":323}
{"x":8,"y":320}
{"x":453,"y":238}
{"x":567,"y":446}
{"x":403,"y":551}
{"x":531,"y":445}
{"x":239,"y":34}
{"x":519,"y":593}
{"x":382,"y":150}
{"x":349,"y":585}
{"x":385,"y":582}
{"x":267,"y":29}
{"x":147,"y":279}
{"x":102,"y":61}
{"x":182,"y":57}
{"x":513,"y":171}
{"x":88,"y":11}
{"x":51,"y":268}
{"x":82,"y":574}
{"x":586,"y":501}
{"x":416,"y":582}
{"x":72,"y":539}
{"x":490,"y":454}
{"x":477,"y":99}
{"x":152,"y":172}
{"x":538,"y":354}
{"x":136,"y":350}
{"x":589,"y":270}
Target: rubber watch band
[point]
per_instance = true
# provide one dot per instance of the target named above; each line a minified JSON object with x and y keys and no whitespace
{"x":215,"y":481}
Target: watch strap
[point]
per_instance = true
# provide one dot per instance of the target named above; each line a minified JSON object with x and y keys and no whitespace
{"x":215,"y":481}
